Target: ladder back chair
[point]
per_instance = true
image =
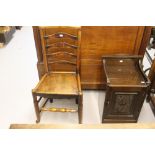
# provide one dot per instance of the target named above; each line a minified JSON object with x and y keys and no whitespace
{"x":61,"y":57}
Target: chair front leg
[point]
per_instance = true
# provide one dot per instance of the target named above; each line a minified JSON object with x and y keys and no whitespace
{"x":80,"y":108}
{"x":36,"y":106}
{"x":51,"y":100}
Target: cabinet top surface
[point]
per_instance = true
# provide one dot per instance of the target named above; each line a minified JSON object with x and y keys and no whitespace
{"x":120,"y":71}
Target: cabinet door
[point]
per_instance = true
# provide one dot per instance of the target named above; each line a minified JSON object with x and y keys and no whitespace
{"x":123,"y":106}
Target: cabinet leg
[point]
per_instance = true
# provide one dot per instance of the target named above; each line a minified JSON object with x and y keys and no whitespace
{"x":51,"y":100}
{"x":148,"y":98}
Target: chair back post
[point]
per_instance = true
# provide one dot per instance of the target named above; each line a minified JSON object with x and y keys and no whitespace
{"x":79,"y":51}
{"x":44,"y":50}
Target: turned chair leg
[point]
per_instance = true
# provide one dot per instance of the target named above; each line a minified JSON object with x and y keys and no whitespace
{"x":36,"y":106}
{"x":80,"y":108}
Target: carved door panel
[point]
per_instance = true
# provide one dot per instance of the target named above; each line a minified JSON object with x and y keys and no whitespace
{"x":123,"y":105}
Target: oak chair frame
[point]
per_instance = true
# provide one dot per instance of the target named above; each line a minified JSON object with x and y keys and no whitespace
{"x":50,"y":96}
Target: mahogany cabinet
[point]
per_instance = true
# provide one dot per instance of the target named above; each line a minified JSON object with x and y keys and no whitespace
{"x":126,"y":88}
{"x":97,"y":41}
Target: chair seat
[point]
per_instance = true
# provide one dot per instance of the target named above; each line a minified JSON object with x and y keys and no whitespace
{"x":58,"y":83}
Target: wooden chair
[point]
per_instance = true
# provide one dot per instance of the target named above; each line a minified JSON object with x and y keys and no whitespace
{"x":61,"y":56}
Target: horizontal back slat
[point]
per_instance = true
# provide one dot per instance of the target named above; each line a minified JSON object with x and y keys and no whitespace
{"x":61,"y":47}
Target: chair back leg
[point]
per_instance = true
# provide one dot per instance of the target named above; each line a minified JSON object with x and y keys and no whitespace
{"x":80,"y":108}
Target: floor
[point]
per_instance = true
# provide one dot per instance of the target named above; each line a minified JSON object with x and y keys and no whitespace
{"x":18,"y":75}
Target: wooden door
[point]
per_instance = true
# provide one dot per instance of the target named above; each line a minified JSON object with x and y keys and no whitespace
{"x":123,"y":106}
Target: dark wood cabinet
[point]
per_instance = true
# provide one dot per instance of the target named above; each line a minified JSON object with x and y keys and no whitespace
{"x":126,"y":88}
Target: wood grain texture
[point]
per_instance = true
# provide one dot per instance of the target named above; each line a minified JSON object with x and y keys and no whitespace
{"x":124,"y":72}
{"x":126,"y":88}
{"x":37,"y":40}
{"x":64,"y":43}
{"x":98,"y":41}
{"x":58,"y":83}
{"x":145,"y":39}
{"x":84,"y":126}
